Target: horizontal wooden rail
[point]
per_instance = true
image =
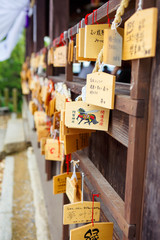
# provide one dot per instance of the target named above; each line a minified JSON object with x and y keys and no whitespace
{"x":118,"y":126}
{"x":108,"y":195}
{"x":130,"y":106}
{"x":123,"y":102}
{"x":101,"y":17}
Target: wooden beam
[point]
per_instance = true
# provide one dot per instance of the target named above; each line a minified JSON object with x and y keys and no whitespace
{"x":136,"y":156}
{"x":113,"y":6}
{"x":118,"y":127}
{"x":42,"y":23}
{"x":51,"y":19}
{"x":48,"y":165}
{"x":128,"y":105}
{"x":108,"y":195}
{"x":69,"y":66}
{"x":65,"y":233}
{"x":60,"y":17}
{"x":151,"y":213}
{"x":29,"y":38}
{"x":101,"y":14}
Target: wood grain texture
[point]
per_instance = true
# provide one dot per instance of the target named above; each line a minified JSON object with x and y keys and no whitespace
{"x":118,"y":126}
{"x":105,"y":215}
{"x":42,"y":26}
{"x":65,"y":234}
{"x":77,"y":83}
{"x":151,"y":212}
{"x":107,"y":193}
{"x":128,"y":105}
{"x":69,"y":66}
{"x":29,"y":38}
{"x":102,"y":14}
{"x":140,"y":82}
{"x":109,"y":156}
{"x":51,"y":19}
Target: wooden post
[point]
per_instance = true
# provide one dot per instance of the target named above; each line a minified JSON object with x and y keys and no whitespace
{"x":69,"y":67}
{"x":14,"y":98}
{"x":6,"y":96}
{"x":48,"y":169}
{"x":65,"y":235}
{"x":136,"y":156}
{"x":151,"y":213}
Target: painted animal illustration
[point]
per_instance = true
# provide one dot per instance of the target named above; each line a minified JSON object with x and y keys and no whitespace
{"x":87,"y":116}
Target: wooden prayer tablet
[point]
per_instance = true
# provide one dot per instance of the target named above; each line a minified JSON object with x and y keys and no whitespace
{"x":100,"y":89}
{"x":73,"y":190}
{"x":98,"y":231}
{"x":113,"y":42}
{"x":61,"y":131}
{"x":52,"y":104}
{"x":54,"y":150}
{"x":44,"y":92}
{"x":42,"y":144}
{"x":73,"y":143}
{"x":81,"y":42}
{"x":81,"y":59}
{"x":70,"y":51}
{"x":39,"y":116}
{"x":140,"y":32}
{"x":59,"y":182}
{"x":60,"y":56}
{"x":80,"y":212}
{"x":50,"y":56}
{"x":73,"y":131}
{"x":47,"y":99}
{"x":56,"y":120}
{"x":94,"y":39}
{"x":42,"y":132}
{"x":82,"y":115}
{"x":60,"y":101}
{"x":32,"y":107}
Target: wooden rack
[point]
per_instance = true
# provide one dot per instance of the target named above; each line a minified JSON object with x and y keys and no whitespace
{"x":128,"y":126}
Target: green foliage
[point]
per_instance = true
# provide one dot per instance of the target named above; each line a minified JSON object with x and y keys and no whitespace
{"x":10,"y":70}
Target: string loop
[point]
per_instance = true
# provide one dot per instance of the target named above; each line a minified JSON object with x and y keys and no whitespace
{"x":86,"y":18}
{"x":120,"y":11}
{"x":139,"y":5}
{"x":82,"y":186}
{"x":75,"y":165}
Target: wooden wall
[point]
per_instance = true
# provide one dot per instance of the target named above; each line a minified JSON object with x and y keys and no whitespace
{"x":109,"y":151}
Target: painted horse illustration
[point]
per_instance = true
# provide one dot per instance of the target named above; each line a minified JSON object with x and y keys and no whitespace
{"x":87,"y":116}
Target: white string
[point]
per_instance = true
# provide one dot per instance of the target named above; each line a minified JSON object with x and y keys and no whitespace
{"x":63,"y":41}
{"x":55,"y":132}
{"x":69,"y":37}
{"x":116,"y":25}
{"x":77,"y":27}
{"x":82,"y":22}
{"x":101,"y":65}
{"x":74,"y":169}
{"x":82,"y":186}
{"x":51,"y":131}
{"x":139,"y":5}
